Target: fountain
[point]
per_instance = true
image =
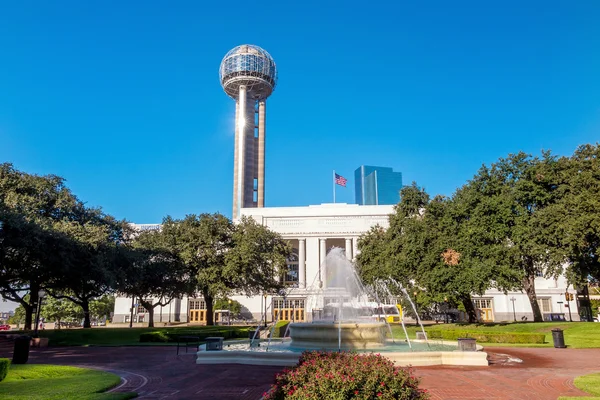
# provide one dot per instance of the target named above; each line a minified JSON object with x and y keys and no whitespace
{"x":340,"y":315}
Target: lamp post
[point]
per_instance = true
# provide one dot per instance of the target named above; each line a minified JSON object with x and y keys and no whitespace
{"x":265,"y":297}
{"x":229,"y":312}
{"x":41,"y":295}
{"x":514,"y":312}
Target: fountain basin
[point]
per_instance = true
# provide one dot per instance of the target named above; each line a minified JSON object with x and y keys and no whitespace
{"x":354,"y":336}
{"x":280,"y":353}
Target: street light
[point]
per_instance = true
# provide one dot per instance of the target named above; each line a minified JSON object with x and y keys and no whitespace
{"x":41,"y":295}
{"x":514,"y":313}
{"x":265,"y":297}
{"x":229,"y":312}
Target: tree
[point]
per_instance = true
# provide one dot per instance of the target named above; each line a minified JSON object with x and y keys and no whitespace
{"x":103,"y":307}
{"x":60,"y":310}
{"x":575,"y":218}
{"x":507,"y":203}
{"x":30,"y":251}
{"x":257,"y":260}
{"x":89,"y":270}
{"x":152,"y":273}
{"x":226,"y":258}
{"x":234,"y":306}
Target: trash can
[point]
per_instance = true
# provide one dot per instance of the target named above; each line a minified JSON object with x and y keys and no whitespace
{"x":559,"y":338}
{"x":21,"y":350}
{"x":467,"y":344}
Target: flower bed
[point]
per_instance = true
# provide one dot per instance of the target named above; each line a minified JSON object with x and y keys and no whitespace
{"x":330,"y":375}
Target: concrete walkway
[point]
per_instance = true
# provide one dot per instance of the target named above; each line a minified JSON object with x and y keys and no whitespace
{"x":156,"y":372}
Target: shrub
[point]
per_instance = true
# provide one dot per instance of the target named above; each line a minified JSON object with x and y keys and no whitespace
{"x":280,"y":328}
{"x":164,"y":335}
{"x":4,"y":364}
{"x":488,"y":337}
{"x":325,"y":375}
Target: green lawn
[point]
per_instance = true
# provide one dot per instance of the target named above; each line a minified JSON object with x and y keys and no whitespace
{"x":58,"y":382}
{"x":577,"y":334}
{"x":115,"y":336}
{"x":587,"y":383}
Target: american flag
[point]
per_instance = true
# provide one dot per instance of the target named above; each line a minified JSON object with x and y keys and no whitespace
{"x":340,"y":180}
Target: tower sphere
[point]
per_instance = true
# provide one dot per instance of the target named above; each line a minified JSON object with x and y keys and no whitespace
{"x":250,"y":66}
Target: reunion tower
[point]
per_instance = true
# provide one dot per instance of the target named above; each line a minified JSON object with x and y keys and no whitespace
{"x":248,"y":75}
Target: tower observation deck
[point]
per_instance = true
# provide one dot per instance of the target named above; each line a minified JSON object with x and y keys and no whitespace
{"x":248,"y":75}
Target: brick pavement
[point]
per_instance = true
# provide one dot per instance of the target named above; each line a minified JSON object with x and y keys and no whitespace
{"x":156,"y":372}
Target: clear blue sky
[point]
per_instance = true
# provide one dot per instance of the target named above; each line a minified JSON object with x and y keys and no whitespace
{"x":124,"y":101}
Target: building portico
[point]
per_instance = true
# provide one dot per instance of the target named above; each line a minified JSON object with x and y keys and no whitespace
{"x":314,"y":230}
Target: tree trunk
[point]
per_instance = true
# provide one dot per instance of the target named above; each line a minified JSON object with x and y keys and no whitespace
{"x":85,"y":304}
{"x":210,"y":315}
{"x":150,"y":308}
{"x":31,"y":308}
{"x":469,"y":308}
{"x":28,"y":317}
{"x":529,"y":286}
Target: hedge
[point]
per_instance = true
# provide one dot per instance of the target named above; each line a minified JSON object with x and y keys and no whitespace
{"x":166,"y":336}
{"x":4,"y":364}
{"x":280,"y":328}
{"x":488,"y":337}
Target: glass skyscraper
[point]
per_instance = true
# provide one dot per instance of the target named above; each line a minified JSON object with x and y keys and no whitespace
{"x":377,"y":185}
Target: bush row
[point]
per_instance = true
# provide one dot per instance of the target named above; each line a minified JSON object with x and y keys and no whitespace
{"x":331,"y":375}
{"x":172,"y":335}
{"x":4,"y":364}
{"x":488,"y":337}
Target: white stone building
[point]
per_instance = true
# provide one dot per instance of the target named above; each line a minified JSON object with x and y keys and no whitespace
{"x":313,"y":231}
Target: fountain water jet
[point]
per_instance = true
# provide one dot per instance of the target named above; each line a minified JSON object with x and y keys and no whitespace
{"x":341,"y":314}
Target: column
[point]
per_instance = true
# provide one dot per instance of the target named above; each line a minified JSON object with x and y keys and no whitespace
{"x":301,"y":263}
{"x":349,"y":249}
{"x":322,"y":255}
{"x":241,"y":161}
{"x":355,"y":247}
{"x":262,"y":105}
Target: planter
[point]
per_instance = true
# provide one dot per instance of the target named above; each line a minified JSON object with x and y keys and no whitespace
{"x":39,"y":342}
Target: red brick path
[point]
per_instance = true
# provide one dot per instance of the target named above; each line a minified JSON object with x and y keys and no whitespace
{"x":158,"y":373}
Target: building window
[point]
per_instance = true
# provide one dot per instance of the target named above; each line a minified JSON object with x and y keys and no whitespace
{"x":482,"y":303}
{"x":197,"y":305}
{"x":291,"y":275}
{"x":141,"y":310}
{"x":545,"y":304}
{"x":288,"y":303}
{"x":539,"y":273}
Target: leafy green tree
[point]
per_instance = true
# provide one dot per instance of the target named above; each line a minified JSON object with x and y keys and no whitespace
{"x":30,"y":251}
{"x":102,"y":307}
{"x":90,"y":269}
{"x":60,"y":310}
{"x":234,"y":306}
{"x":257,"y":260}
{"x":152,"y":273}
{"x":507,"y":203}
{"x":225,"y":258}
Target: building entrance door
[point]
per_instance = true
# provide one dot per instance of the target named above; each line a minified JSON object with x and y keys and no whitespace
{"x":484,"y":309}
{"x":288,"y":310}
{"x":197,"y":311}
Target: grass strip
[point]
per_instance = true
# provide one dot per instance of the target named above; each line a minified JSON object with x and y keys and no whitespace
{"x":59,"y":383}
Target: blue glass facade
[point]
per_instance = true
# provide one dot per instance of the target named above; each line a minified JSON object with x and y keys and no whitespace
{"x":377,"y":185}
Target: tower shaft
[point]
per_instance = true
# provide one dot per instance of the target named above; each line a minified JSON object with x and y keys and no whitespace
{"x":249,"y":155}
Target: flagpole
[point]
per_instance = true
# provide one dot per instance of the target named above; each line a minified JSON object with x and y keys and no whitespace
{"x":333,"y":185}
